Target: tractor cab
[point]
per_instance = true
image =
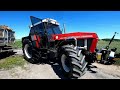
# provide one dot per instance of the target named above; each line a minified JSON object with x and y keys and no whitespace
{"x":48,"y":26}
{"x":44,"y":29}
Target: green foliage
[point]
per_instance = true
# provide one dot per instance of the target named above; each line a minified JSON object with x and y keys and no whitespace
{"x":18,"y":44}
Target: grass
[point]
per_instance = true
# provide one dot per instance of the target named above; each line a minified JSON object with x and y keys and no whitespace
{"x":18,"y":44}
{"x":103,"y":44}
{"x":11,"y":62}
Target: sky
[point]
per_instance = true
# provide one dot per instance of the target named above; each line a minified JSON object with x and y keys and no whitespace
{"x":104,"y":23}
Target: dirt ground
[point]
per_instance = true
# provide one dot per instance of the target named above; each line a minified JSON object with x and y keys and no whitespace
{"x":47,"y":71}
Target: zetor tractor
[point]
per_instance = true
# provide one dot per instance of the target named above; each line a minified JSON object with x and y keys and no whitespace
{"x":73,"y":51}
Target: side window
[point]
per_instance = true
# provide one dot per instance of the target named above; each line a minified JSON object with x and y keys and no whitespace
{"x":50,"y":31}
{"x":38,"y":29}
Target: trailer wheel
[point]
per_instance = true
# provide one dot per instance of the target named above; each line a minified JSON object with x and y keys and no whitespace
{"x":28,"y":52}
{"x":72,"y":62}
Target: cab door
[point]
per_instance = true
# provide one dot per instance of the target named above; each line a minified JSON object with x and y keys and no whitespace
{"x":37,"y":34}
{"x":35,"y":31}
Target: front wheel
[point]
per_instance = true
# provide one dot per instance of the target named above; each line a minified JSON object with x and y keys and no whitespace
{"x":28,"y":52}
{"x":72,"y":62}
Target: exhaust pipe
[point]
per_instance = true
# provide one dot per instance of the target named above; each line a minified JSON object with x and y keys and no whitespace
{"x":64,"y":28}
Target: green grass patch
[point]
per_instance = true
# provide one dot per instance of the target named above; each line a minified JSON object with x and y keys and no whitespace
{"x":18,"y":44}
{"x":11,"y":62}
{"x":114,"y":44}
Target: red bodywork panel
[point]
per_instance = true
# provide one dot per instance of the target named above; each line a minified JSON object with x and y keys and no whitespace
{"x":78,"y":35}
{"x":37,"y":40}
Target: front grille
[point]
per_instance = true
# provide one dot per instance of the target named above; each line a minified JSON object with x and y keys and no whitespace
{"x":81,"y":43}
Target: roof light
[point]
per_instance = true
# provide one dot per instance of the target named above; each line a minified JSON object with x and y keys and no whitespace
{"x":49,"y":20}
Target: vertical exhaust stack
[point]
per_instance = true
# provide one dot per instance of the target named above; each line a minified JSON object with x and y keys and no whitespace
{"x":64,"y":28}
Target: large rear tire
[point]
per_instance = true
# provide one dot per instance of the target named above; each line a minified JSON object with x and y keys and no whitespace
{"x":30,"y":54}
{"x":72,"y":62}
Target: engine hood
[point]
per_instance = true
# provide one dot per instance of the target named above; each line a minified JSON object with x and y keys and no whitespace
{"x":77,"y":35}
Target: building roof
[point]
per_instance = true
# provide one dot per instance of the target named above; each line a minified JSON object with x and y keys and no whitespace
{"x":5,"y":27}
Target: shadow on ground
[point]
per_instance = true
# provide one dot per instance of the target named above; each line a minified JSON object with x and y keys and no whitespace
{"x":90,"y":68}
{"x":110,"y":62}
{"x":58,"y":71}
{"x":6,"y":54}
{"x":56,"y":68}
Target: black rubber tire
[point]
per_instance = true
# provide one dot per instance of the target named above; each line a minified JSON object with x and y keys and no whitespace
{"x":34,"y":55}
{"x":77,"y":68}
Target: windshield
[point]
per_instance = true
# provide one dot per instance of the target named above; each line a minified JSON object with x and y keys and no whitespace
{"x":53,"y":29}
{"x":56,"y":30}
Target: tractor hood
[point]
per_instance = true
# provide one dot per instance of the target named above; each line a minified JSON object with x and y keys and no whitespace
{"x":77,"y":35}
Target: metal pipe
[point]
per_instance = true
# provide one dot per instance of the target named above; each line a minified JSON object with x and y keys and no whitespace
{"x":7,"y":37}
{"x":64,"y":28}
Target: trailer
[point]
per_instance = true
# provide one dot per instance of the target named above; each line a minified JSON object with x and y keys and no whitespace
{"x":7,"y":39}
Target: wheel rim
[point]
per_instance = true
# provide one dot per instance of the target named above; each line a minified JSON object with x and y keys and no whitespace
{"x":28,"y":51}
{"x":65,"y":64}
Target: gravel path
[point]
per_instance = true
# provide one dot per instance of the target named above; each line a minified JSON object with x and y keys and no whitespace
{"x":46,"y":71}
{"x":103,"y":72}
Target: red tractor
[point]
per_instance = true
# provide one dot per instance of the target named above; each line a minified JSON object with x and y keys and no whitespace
{"x":73,"y":51}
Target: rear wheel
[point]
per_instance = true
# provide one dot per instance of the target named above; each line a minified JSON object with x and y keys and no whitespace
{"x":72,"y":62}
{"x":29,"y":53}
